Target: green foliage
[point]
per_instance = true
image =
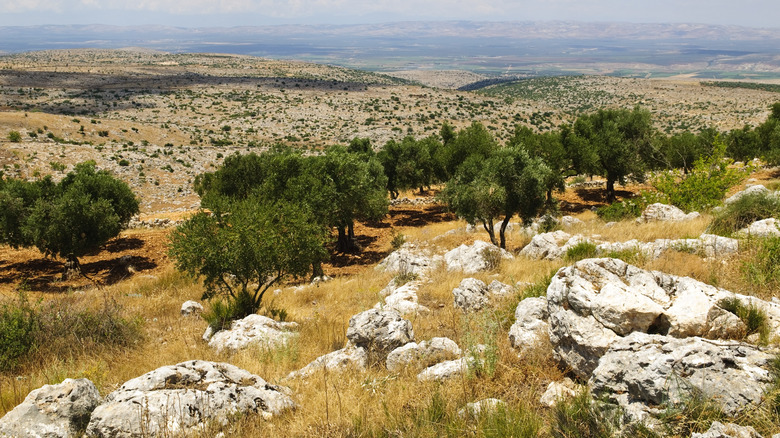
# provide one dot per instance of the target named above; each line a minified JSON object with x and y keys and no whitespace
{"x":613,"y":143}
{"x":507,"y":422}
{"x":629,"y":208}
{"x":582,"y":417}
{"x":762,"y":268}
{"x":539,"y":288}
{"x":705,"y":186}
{"x":14,"y":137}
{"x":18,"y":323}
{"x":582,"y":250}
{"x":70,"y":219}
{"x":242,"y":253}
{"x":474,"y":141}
{"x":755,"y":318}
{"x":680,"y":151}
{"x":744,"y":211}
{"x":398,"y":240}
{"x":694,"y":414}
{"x":411,"y":164}
{"x":506,"y":183}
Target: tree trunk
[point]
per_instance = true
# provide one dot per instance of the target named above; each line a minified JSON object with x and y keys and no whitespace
{"x":610,"y":189}
{"x":342,"y":244}
{"x":502,"y":231}
{"x":72,"y":268}
{"x":489,"y":228}
{"x":316,"y":270}
{"x":347,"y":241}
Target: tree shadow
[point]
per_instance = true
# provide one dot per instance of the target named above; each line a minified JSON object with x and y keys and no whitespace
{"x":123,"y":244}
{"x":409,"y":217}
{"x":590,"y":198}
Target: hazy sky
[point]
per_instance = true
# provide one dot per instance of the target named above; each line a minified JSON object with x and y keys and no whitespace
{"x":197,"y":13}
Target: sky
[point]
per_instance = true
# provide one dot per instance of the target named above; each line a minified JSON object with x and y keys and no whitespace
{"x":205,"y":13}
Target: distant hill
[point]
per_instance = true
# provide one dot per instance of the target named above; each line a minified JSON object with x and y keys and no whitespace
{"x":487,"y":48}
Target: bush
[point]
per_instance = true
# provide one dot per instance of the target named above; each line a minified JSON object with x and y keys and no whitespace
{"x":17,"y":326}
{"x":582,"y":250}
{"x":705,"y":186}
{"x":583,"y":417}
{"x":14,"y":136}
{"x":398,"y":240}
{"x":743,"y":212}
{"x":754,"y":318}
{"x":630,"y":208}
{"x":492,"y":257}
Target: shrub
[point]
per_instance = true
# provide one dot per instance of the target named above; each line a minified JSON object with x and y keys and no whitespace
{"x":743,"y":212}
{"x":582,"y":250}
{"x":17,"y":325}
{"x":398,"y":240}
{"x":755,"y":319}
{"x":694,"y":414}
{"x":492,"y":257}
{"x":705,"y":186}
{"x":14,"y":136}
{"x":630,"y":208}
{"x":581,"y":416}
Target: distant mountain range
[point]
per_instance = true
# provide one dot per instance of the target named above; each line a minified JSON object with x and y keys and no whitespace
{"x":493,"y":48}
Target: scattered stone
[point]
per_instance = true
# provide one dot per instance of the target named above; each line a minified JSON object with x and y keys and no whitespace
{"x":656,"y":369}
{"x":349,"y":357}
{"x":320,"y":279}
{"x":530,"y":327}
{"x":52,"y":411}
{"x":471,"y":295}
{"x":570,"y":221}
{"x":762,"y":228}
{"x":253,"y":330}
{"x":191,"y":308}
{"x":402,"y":299}
{"x":557,"y":392}
{"x":422,"y":355}
{"x":728,"y":430}
{"x":546,"y":245}
{"x":477,"y":409}
{"x":665,"y":213}
{"x":178,"y":399}
{"x":472,"y":259}
{"x":379,"y":330}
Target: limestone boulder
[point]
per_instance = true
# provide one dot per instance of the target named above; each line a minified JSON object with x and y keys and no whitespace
{"x":499,"y":289}
{"x":422,"y":355}
{"x":447,"y":370}
{"x":474,"y":258}
{"x":656,"y":369}
{"x":348,"y":358}
{"x":665,"y":213}
{"x":728,"y":430}
{"x":191,"y":308}
{"x":379,"y":331}
{"x":749,"y":190}
{"x":179,"y":399}
{"x":471,"y":295}
{"x":546,"y":246}
{"x":482,"y":407}
{"x":596,"y":301}
{"x":53,"y":411}
{"x":256,"y":330}
{"x":530,"y":326}
{"x":762,"y":228}
{"x":410,"y":258}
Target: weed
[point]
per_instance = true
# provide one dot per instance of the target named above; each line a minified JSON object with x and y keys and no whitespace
{"x":581,"y":416}
{"x":753,"y":317}
{"x":18,"y":322}
{"x":492,"y":256}
{"x":694,"y":414}
{"x":398,"y":240}
{"x":743,"y":212}
{"x":762,"y":268}
{"x":582,"y":250}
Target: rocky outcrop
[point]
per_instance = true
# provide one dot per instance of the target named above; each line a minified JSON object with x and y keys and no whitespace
{"x":656,"y":369}
{"x":180,"y":398}
{"x":530,"y":327}
{"x":665,"y":213}
{"x":447,"y":369}
{"x":411,"y":259}
{"x":595,"y":302}
{"x":52,"y":411}
{"x":422,"y":355}
{"x":475,"y":258}
{"x":379,"y":331}
{"x":349,"y":357}
{"x":547,"y":246}
{"x":499,"y":289}
{"x":252,"y":330}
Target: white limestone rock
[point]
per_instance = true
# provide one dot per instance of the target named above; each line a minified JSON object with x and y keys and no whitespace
{"x":422,"y":355}
{"x":52,"y":411}
{"x":179,"y":399}
{"x":471,"y":258}
{"x":557,"y":392}
{"x":749,"y":190}
{"x":410,"y":258}
{"x":530,"y":326}
{"x":191,"y":308}
{"x":339,"y":361}
{"x":256,"y":330}
{"x":763,"y":228}
{"x":471,"y":295}
{"x":665,"y":213}
{"x":379,"y":330}
{"x":482,"y":407}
